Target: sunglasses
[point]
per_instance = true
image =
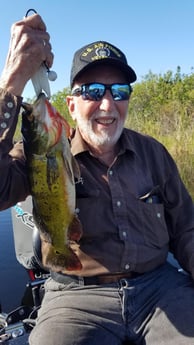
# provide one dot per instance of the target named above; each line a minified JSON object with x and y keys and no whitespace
{"x":96,"y":91}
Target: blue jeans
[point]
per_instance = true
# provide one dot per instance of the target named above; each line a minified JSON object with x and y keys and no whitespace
{"x":156,"y":308}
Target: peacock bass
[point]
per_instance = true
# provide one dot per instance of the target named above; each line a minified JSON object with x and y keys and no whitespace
{"x":52,"y":171}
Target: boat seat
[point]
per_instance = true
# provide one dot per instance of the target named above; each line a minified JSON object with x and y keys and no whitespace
{"x":23,"y":227}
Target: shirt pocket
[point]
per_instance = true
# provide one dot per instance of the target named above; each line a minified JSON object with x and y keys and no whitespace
{"x":152,"y":215}
{"x":87,"y":204}
{"x":85,"y":191}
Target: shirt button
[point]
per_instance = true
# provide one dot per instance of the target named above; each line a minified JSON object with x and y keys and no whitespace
{"x":158,"y":215}
{"x":7,"y":115}
{"x":110,"y":172}
{"x":124,"y":234}
{"x":127,"y":266}
{"x":3,"y":125}
{"x":118,"y":203}
{"x":10,"y":105}
{"x":77,"y":210}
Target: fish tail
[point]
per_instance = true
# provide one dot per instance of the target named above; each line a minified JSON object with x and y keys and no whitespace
{"x":57,"y":261}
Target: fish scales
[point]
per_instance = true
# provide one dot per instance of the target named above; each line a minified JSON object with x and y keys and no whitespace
{"x":51,"y":170}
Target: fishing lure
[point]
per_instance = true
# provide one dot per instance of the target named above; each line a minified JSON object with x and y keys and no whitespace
{"x":41,"y":78}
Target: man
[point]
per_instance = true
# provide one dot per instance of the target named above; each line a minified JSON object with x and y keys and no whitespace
{"x":132,"y":205}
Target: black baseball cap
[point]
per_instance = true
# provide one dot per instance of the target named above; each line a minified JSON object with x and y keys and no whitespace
{"x":96,"y":53}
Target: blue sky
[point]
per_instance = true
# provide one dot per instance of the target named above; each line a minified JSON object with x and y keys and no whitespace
{"x":156,"y":35}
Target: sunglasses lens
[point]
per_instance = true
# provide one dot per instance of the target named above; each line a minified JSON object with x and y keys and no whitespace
{"x":93,"y":92}
{"x":96,"y":91}
{"x":120,"y":92}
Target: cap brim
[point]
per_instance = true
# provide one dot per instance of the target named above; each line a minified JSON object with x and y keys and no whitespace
{"x":129,"y":72}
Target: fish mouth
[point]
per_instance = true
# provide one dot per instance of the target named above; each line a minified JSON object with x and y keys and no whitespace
{"x":28,"y":109}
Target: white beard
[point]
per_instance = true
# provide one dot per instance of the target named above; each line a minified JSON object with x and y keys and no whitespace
{"x":101,"y":138}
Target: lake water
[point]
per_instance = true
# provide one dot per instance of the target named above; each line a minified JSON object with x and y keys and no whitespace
{"x":13,"y":277}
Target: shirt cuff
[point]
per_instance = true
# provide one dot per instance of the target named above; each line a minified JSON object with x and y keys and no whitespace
{"x":9,"y":110}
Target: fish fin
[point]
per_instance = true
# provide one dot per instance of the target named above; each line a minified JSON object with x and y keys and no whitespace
{"x":66,"y":126}
{"x":28,"y":109}
{"x":72,"y":169}
{"x":71,"y":165}
{"x":75,"y":230}
{"x":76,"y":169}
{"x":58,"y":262}
{"x":69,"y":170}
{"x":52,"y":170}
{"x":67,"y":159}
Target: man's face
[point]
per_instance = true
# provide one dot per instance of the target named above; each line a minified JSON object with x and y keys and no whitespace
{"x":100,"y":122}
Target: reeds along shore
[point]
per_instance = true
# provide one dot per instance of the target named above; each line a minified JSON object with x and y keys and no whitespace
{"x":163,"y":107}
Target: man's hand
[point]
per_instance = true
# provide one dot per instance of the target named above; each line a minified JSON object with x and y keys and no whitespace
{"x":29,"y":48}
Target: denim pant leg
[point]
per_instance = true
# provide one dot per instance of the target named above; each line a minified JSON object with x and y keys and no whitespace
{"x":158,"y":308}
{"x":85,"y":315}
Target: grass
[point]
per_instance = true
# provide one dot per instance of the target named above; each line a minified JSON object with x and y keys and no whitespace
{"x":177,"y":135}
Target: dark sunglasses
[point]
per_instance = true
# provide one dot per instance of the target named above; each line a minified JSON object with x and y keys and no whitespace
{"x":96,"y":91}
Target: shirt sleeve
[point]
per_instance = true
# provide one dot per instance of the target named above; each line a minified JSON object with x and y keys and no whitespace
{"x":179,"y":209}
{"x":13,"y":177}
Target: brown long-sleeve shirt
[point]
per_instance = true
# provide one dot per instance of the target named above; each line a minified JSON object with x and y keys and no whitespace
{"x":132,"y":213}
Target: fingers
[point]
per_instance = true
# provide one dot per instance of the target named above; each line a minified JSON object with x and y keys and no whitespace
{"x":35,"y":22}
{"x":29,"y":47}
{"x":49,"y":56}
{"x":31,"y":31}
{"x":31,"y":38}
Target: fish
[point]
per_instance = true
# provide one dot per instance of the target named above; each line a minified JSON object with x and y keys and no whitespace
{"x":52,"y":173}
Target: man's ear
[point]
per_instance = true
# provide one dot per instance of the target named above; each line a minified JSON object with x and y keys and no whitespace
{"x":71,"y":106}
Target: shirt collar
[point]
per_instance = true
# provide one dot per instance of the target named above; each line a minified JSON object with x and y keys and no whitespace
{"x":78,"y":145}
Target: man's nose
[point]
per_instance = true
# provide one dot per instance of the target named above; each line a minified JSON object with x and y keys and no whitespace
{"x":107,"y":102}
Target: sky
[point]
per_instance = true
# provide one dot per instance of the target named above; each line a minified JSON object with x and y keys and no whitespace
{"x":155,"y":35}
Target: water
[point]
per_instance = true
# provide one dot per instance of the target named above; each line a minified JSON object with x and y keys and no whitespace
{"x":13,"y":277}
